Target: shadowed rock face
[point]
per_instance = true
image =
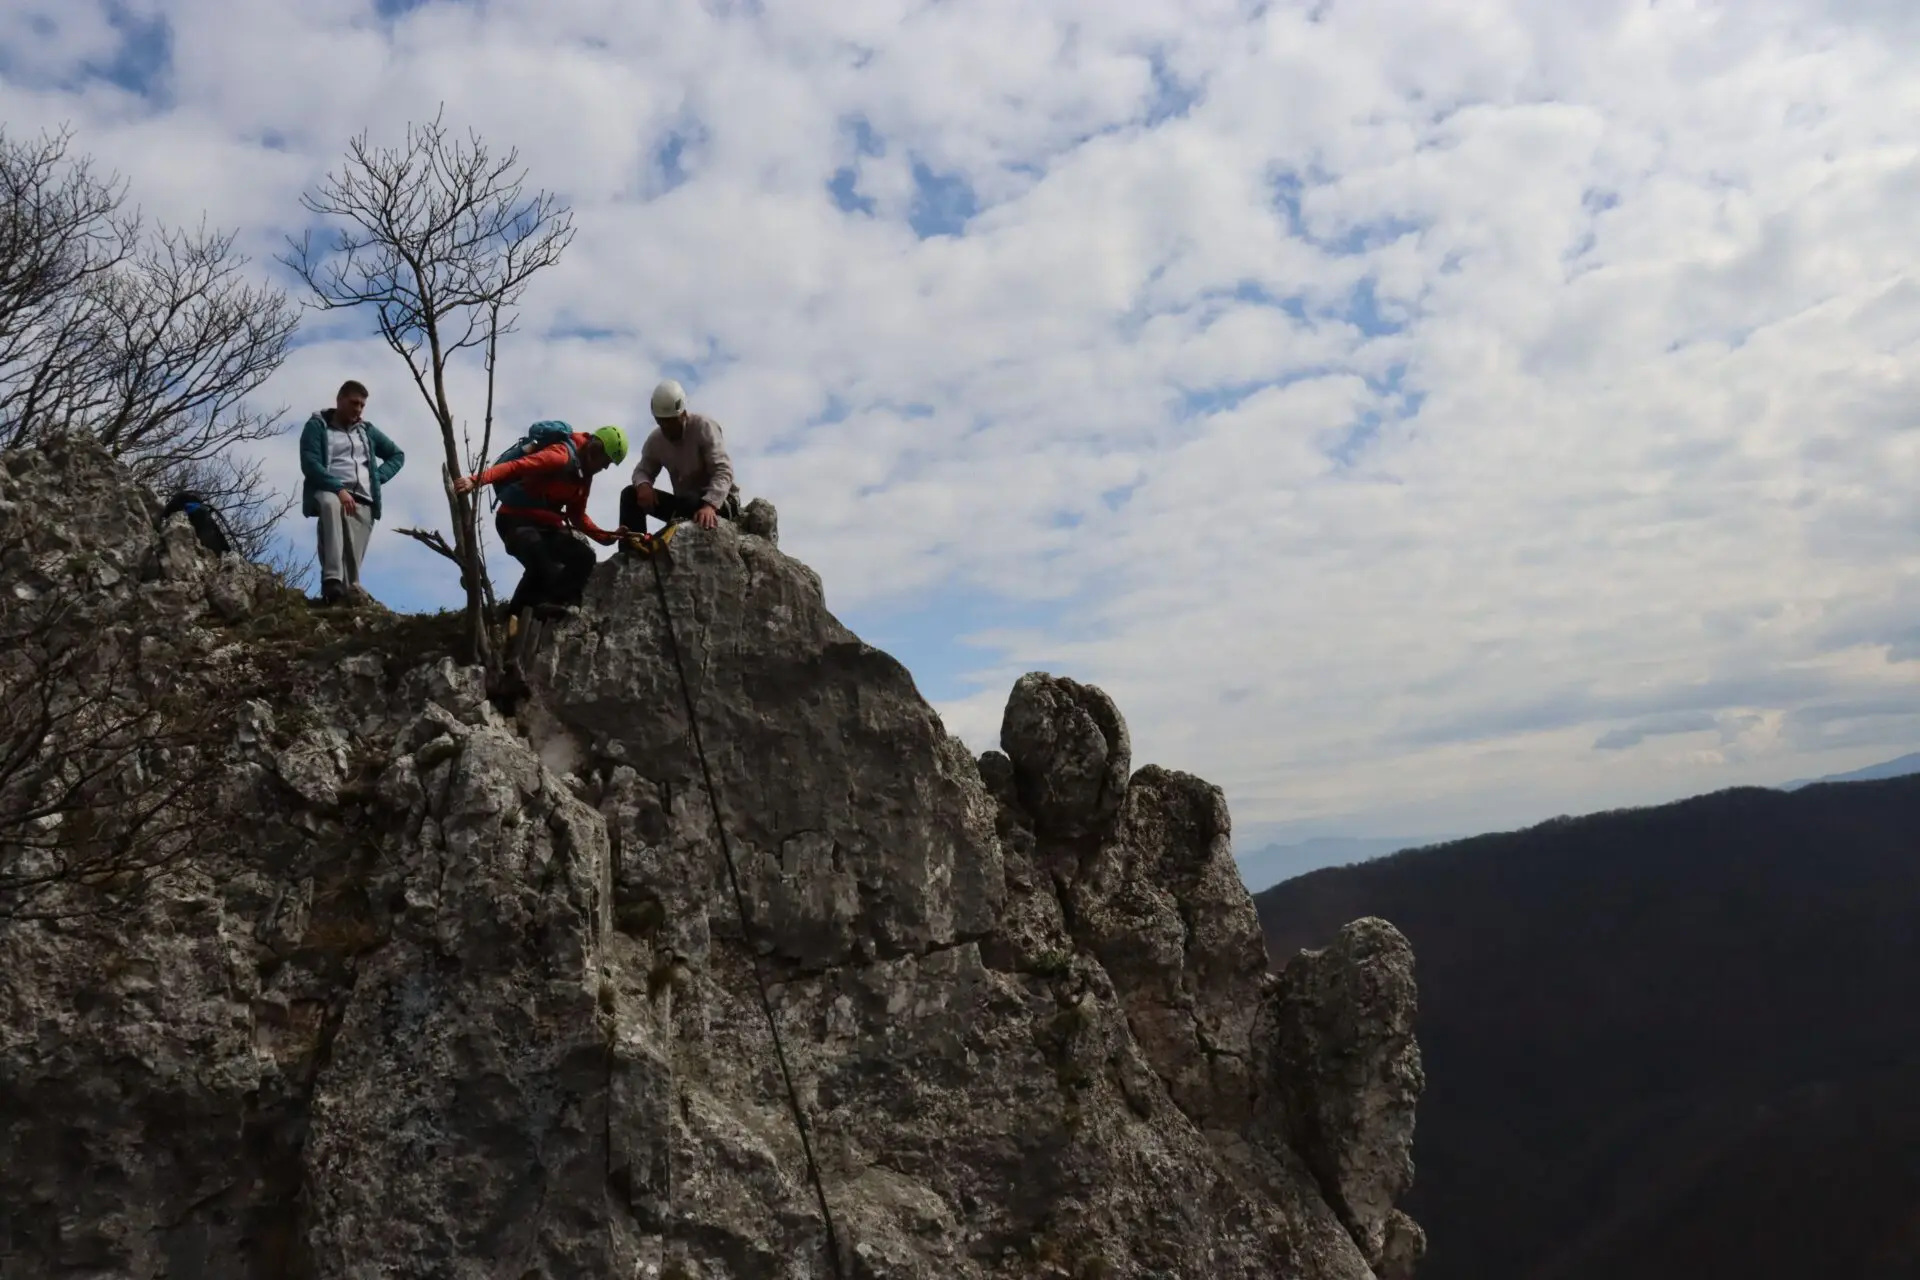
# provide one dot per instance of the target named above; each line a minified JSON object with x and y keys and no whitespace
{"x":452,"y":992}
{"x":1335,"y":1051}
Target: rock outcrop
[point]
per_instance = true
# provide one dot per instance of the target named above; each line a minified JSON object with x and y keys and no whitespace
{"x":447,"y":989}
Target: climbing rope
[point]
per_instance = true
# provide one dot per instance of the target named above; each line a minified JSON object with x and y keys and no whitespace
{"x":740,"y":905}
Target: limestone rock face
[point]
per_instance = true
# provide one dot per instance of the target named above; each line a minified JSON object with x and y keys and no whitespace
{"x":1163,"y":907}
{"x":761,"y":520}
{"x":1070,"y":753}
{"x":1338,"y":1056}
{"x":860,"y":828}
{"x":1313,"y":1073}
{"x":452,"y":987}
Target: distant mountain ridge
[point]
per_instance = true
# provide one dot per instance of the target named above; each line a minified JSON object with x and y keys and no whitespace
{"x":1663,"y":1043}
{"x":1899,"y":768}
{"x":1274,"y":863}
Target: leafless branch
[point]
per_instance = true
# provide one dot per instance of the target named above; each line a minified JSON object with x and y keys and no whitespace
{"x":151,"y":341}
{"x":63,"y":231}
{"x":108,"y":774}
{"x":433,"y":540}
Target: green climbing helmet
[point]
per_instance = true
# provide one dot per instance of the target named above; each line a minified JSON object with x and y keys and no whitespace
{"x":614,"y":441}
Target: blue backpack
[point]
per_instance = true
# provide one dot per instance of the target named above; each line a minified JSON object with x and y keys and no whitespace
{"x":541,"y":434}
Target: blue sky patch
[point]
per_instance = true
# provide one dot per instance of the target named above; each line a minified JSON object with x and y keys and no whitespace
{"x":1355,"y":439}
{"x":845,"y":198}
{"x":836,"y":411}
{"x":145,"y":55}
{"x":1226,"y":396}
{"x":1170,"y":98}
{"x":928,"y":633}
{"x":669,"y":158}
{"x":843,"y":186}
{"x":942,"y":203}
{"x":1364,"y":311}
{"x":1257,"y":294}
{"x":1365,"y":429}
{"x":1290,"y":187}
{"x":1364,"y":237}
{"x":1211,"y":400}
{"x":1116,"y":498}
{"x":865,"y":141}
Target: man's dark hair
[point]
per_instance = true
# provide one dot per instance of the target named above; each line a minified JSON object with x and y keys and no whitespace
{"x":352,"y":388}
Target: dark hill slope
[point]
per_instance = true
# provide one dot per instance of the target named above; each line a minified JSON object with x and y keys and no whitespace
{"x":1670,"y":1042}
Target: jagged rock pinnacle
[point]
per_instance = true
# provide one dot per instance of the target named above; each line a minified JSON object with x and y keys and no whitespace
{"x":446,"y":991}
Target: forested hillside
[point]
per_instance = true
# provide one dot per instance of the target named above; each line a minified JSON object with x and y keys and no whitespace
{"x":1672,"y":1042}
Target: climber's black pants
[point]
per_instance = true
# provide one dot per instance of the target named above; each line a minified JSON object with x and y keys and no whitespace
{"x":557,"y":561}
{"x":668,"y":506}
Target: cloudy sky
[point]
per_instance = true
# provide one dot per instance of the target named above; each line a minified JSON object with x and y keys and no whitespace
{"x":1422,"y":418}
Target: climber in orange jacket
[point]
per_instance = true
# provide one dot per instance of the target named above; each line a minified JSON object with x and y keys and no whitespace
{"x":543,"y":481}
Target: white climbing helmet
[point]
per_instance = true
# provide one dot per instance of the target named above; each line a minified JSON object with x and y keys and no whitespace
{"x":669,"y":401}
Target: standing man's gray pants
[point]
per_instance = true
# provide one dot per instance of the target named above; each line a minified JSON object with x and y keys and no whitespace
{"x":343,"y":538}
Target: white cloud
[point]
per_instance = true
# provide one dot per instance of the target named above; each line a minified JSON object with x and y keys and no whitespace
{"x":1395,"y":399}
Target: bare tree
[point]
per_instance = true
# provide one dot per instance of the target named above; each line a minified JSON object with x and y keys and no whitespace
{"x":440,"y":239}
{"x":63,"y":230}
{"x":152,"y":342}
{"x":109,"y":774}
{"x":190,"y":338}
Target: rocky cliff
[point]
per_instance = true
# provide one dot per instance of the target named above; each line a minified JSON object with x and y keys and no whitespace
{"x":418,"y":985}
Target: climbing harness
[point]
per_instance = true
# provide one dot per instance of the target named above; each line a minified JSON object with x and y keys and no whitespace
{"x":651,"y":543}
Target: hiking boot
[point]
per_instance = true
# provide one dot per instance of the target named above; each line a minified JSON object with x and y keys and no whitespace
{"x":332,"y":592}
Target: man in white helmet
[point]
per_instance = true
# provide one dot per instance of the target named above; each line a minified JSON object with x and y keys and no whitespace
{"x":690,"y":447}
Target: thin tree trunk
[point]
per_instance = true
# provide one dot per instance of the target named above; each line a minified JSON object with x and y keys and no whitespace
{"x":479,"y":641}
{"x":486,"y":442}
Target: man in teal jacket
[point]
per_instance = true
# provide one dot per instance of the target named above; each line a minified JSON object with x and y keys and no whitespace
{"x":344,"y":460}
